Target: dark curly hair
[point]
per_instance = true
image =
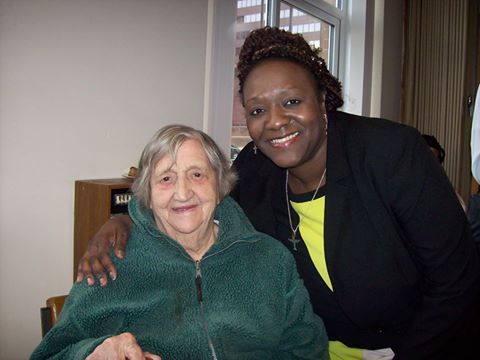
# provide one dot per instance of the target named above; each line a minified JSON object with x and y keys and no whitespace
{"x":269,"y":42}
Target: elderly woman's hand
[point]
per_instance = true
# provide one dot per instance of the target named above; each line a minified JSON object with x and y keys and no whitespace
{"x":96,"y":260}
{"x":120,"y":347}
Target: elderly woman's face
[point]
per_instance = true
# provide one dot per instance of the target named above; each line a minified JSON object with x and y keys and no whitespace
{"x":184,"y":194}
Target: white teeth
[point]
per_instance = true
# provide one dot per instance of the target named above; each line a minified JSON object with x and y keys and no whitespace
{"x":284,"y":139}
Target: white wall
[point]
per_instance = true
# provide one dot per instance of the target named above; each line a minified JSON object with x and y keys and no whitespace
{"x":83,"y":86}
{"x":372,"y":67}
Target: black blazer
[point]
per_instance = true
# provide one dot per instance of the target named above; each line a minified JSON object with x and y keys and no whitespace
{"x":398,"y":246}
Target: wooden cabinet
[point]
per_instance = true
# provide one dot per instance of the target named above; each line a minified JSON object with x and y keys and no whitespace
{"x":95,"y":202}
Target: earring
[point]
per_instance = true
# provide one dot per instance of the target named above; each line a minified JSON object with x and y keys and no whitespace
{"x":255,"y":149}
{"x":326,"y":123}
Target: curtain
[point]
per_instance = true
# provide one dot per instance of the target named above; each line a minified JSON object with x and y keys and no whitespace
{"x":435,"y":66}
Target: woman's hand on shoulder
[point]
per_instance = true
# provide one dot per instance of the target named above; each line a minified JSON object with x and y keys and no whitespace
{"x":96,"y":260}
{"x":123,"y":346}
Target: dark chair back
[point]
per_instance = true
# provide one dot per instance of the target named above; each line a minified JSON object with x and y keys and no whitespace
{"x":49,"y":314}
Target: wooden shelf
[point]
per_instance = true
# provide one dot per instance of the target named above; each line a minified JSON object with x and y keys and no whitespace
{"x":95,"y":202}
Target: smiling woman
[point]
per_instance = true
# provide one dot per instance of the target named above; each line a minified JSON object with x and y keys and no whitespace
{"x":184,"y":196}
{"x":194,"y":263}
{"x":179,"y":183}
{"x":286,"y":118}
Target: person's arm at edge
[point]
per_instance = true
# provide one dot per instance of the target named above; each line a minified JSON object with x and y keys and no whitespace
{"x":96,"y":260}
{"x":475,"y":139}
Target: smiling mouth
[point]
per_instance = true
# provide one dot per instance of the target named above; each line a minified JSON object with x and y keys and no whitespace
{"x":285,"y":139}
{"x":182,"y":209}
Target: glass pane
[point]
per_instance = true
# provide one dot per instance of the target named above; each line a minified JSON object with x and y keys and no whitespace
{"x":316,"y":31}
{"x":251,"y":14}
{"x":336,"y":3}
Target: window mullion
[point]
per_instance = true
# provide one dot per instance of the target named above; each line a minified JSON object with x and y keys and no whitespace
{"x":273,"y":12}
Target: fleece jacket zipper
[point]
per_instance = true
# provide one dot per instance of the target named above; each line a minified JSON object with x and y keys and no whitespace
{"x":198,"y":288}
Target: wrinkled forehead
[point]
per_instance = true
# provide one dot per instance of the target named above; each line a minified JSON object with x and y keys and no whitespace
{"x":190,"y":154}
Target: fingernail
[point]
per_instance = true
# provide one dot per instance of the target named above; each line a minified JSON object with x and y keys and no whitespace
{"x":90,"y":281}
{"x":113,"y":276}
{"x":78,"y":278}
{"x":103,"y":281}
{"x":121,"y":254}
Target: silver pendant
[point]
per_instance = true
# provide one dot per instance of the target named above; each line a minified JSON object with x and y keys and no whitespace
{"x":294,"y":242}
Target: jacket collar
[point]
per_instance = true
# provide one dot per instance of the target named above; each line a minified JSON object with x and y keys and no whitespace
{"x":233,"y":224}
{"x":338,"y":173}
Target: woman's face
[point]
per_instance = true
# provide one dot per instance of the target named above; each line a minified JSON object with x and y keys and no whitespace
{"x":284,"y":112}
{"x":184,"y":193}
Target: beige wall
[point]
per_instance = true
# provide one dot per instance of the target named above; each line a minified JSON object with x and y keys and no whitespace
{"x":83,"y":85}
{"x":387,"y":59}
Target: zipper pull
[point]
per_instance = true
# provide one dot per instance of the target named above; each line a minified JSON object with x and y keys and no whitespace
{"x":198,"y":281}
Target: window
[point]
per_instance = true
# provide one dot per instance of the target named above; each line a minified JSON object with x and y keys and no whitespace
{"x":252,"y":18}
{"x":248,"y":3}
{"x":319,"y":22}
{"x":284,"y":14}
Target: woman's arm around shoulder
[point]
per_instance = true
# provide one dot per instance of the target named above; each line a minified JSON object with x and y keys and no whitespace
{"x":96,"y":260}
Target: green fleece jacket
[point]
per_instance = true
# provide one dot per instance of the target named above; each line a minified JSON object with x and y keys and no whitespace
{"x":244,"y":297}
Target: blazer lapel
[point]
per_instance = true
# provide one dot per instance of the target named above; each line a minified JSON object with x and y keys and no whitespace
{"x":338,"y":173}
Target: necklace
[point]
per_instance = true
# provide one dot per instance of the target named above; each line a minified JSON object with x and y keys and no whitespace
{"x":293,"y":239}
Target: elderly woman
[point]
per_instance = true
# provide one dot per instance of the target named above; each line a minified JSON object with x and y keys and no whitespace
{"x":199,"y":282}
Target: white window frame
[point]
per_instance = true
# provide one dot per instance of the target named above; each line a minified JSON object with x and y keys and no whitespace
{"x":318,"y":9}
